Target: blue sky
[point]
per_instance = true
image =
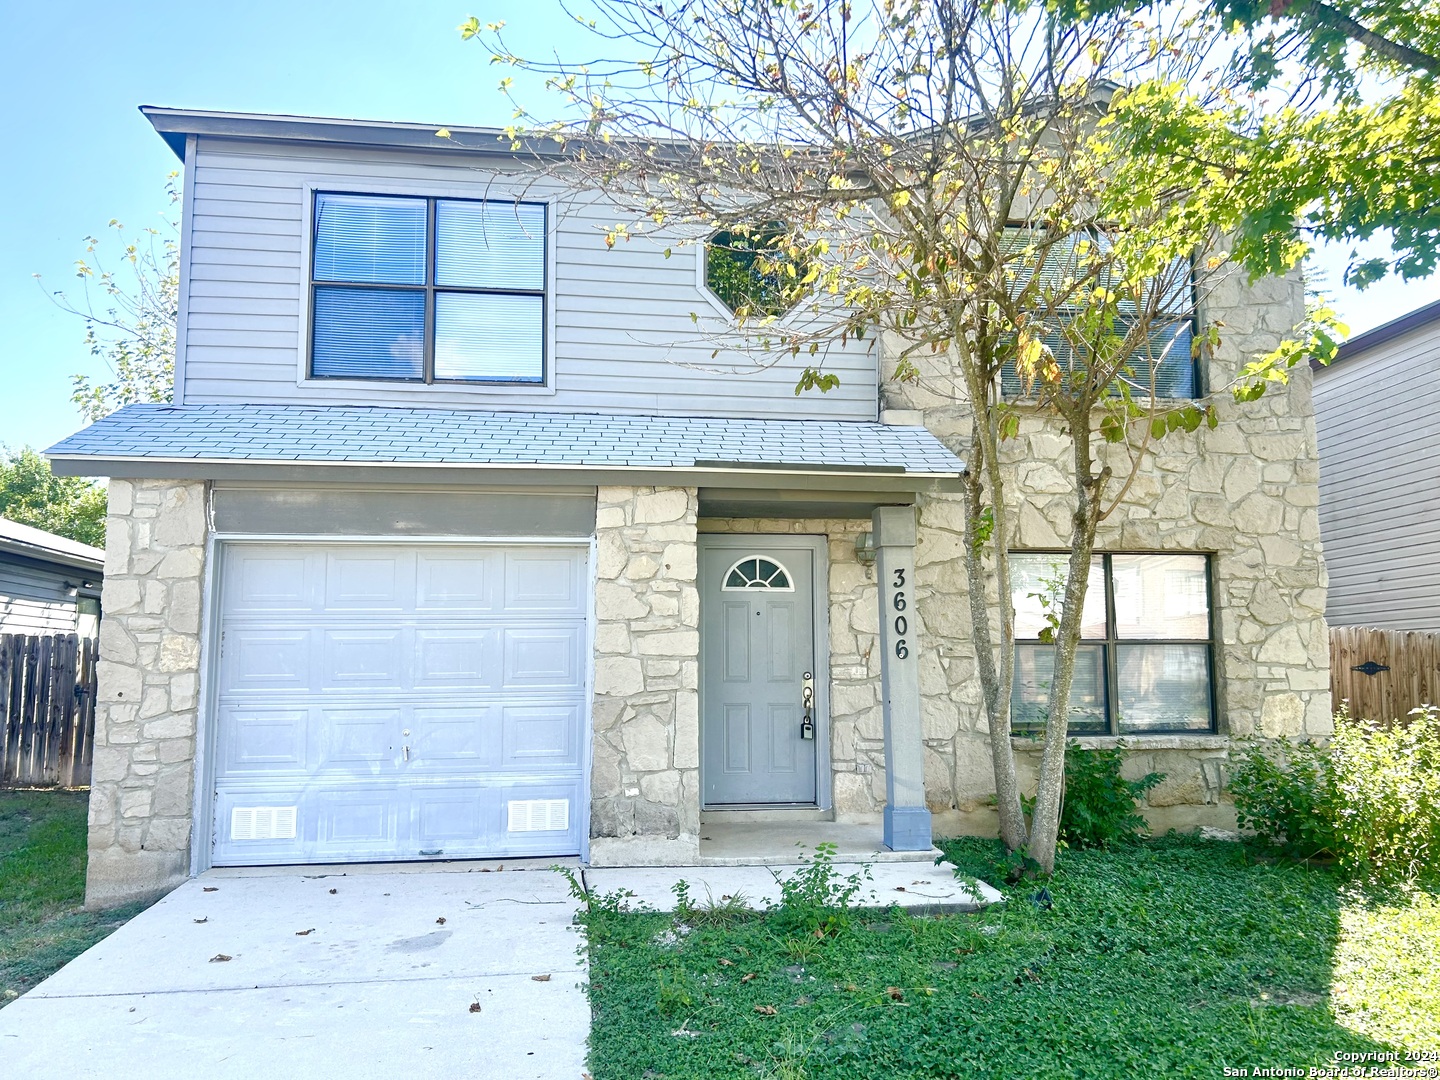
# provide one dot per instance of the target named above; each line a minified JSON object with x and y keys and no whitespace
{"x":78,"y":153}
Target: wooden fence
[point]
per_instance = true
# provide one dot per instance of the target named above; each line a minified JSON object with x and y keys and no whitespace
{"x":1383,"y":673}
{"x":47,"y":704}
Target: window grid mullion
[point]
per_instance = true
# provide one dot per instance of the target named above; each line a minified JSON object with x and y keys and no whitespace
{"x":430,"y":275}
{"x":1112,"y":637}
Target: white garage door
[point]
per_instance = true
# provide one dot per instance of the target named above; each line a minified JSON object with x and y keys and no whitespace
{"x":399,"y":702}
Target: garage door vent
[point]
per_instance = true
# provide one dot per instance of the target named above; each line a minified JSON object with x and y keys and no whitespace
{"x":539,"y":815}
{"x":262,"y":823}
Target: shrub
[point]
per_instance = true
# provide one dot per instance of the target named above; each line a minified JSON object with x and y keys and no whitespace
{"x":1099,"y":806}
{"x":1287,"y":800}
{"x":1370,"y":798}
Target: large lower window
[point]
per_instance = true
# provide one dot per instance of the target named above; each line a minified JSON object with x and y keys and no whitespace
{"x":427,"y":290}
{"x":1145,"y":662}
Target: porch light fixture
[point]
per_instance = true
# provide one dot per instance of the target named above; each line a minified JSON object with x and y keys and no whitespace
{"x":865,"y":548}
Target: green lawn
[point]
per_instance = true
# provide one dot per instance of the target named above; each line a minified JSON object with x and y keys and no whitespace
{"x":1176,"y":957}
{"x":42,"y":885}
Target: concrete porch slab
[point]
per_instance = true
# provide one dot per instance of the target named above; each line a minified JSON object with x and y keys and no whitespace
{"x":919,"y":888}
{"x":329,"y":972}
{"x":786,"y":843}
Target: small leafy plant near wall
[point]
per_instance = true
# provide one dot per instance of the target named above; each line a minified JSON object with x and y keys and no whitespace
{"x":1370,"y":798}
{"x":1099,"y":807}
{"x":1100,"y":804}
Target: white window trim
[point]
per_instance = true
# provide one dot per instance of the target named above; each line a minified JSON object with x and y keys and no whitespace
{"x":491,"y":190}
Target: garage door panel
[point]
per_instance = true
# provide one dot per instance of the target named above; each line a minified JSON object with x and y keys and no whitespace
{"x":544,"y":657}
{"x":384,"y":702}
{"x":447,"y":817}
{"x":463,"y":583}
{"x":540,"y":817}
{"x":456,"y":737}
{"x":270,"y":580}
{"x":467,"y":659}
{"x":354,"y":658}
{"x":264,"y":740}
{"x":541,"y":736}
{"x":545,"y":582}
{"x":247,"y":845}
{"x":268,"y":660}
{"x":374,"y":580}
{"x":360,"y":738}
{"x":359,"y":824}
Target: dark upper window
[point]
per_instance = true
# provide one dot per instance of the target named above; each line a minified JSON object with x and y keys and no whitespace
{"x":1167,"y":355}
{"x":751,"y":271}
{"x":427,"y":290}
{"x":1145,"y":662}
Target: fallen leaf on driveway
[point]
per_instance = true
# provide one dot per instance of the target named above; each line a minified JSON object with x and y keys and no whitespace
{"x":474,"y":1006}
{"x":440,"y":921}
{"x":766,"y":1010}
{"x":213,"y":888}
{"x":305,"y":933}
{"x":220,"y":958}
{"x":206,"y":919}
{"x":539,"y":978}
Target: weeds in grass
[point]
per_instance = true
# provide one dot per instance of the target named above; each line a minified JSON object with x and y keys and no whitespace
{"x":817,"y":897}
{"x":1147,"y":965}
{"x":611,"y":903}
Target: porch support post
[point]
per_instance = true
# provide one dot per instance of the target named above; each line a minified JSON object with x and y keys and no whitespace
{"x":907,"y":821}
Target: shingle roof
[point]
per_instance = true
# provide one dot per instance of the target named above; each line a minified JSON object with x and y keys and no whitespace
{"x":334,"y":435}
{"x":37,"y":543}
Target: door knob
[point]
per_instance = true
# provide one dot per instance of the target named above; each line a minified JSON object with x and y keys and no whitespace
{"x":807,"y":699}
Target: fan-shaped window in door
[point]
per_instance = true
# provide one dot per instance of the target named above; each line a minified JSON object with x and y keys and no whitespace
{"x":758,"y":572}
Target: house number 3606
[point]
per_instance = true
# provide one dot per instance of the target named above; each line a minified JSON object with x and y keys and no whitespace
{"x":902,"y":625}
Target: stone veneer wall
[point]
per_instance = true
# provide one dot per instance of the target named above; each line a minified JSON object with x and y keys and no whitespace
{"x":142,"y":780}
{"x":1247,"y":492}
{"x":645,"y":774}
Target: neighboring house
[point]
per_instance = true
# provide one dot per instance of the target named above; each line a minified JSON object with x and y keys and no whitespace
{"x":48,"y":584}
{"x":1377,"y":414}
{"x":460,"y":540}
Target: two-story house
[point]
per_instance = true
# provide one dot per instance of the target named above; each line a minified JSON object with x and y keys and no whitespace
{"x":460,"y":539}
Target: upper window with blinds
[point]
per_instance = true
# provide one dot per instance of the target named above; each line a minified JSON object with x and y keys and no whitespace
{"x":427,"y":290}
{"x":1161,"y":361}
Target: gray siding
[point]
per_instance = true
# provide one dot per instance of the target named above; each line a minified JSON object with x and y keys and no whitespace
{"x":624,"y":337}
{"x":1378,"y":425}
{"x":33,"y":600}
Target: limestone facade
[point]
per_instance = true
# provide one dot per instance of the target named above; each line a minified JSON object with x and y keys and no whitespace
{"x":142,"y":780}
{"x":645,"y":774}
{"x":1246,"y":493}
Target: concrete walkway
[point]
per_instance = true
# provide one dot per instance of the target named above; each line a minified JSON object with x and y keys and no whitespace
{"x":920,"y":888}
{"x":336,"y":972}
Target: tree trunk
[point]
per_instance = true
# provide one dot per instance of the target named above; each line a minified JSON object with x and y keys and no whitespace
{"x":1045,"y":824}
{"x":997,"y":699}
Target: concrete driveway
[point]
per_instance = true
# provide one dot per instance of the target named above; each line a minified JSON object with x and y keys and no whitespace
{"x":351,"y":972}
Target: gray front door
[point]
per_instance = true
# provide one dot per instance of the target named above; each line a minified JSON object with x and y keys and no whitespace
{"x":757,"y":648}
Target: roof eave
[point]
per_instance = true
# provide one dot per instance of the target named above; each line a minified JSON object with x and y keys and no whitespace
{"x":175,"y":125}
{"x":827,"y":478}
{"x":1362,"y":344}
{"x":37,"y":553}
